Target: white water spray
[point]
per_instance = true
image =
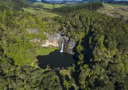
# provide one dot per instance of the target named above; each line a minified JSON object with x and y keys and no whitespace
{"x":62,"y":47}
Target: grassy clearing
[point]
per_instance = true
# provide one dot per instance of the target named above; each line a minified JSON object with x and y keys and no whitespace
{"x":49,"y":6}
{"x":114,"y":10}
{"x":45,"y":50}
{"x":40,"y":12}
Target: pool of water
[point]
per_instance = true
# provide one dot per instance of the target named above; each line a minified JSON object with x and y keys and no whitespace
{"x":55,"y":59}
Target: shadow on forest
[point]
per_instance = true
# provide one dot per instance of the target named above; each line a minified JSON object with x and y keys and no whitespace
{"x":87,"y":52}
{"x":61,"y":80}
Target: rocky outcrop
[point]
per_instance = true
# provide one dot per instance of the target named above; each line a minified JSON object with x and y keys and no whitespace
{"x":70,"y":47}
{"x":51,"y":40}
{"x":37,"y":41}
{"x":56,"y":41}
{"x":30,"y":31}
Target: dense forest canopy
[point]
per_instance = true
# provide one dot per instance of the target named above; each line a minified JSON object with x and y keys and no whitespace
{"x":101,"y":48}
{"x":13,"y":4}
{"x":118,"y":2}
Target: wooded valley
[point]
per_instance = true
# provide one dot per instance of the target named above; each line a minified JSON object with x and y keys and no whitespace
{"x":101,"y":48}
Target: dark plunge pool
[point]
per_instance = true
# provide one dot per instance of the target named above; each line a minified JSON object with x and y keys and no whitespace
{"x":55,"y":59}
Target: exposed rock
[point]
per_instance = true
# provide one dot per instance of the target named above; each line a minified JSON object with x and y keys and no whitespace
{"x":66,"y":38}
{"x":51,"y":40}
{"x":64,"y":28}
{"x":50,"y":43}
{"x":56,"y":41}
{"x":56,"y":36}
{"x":70,"y":47}
{"x":35,"y":40}
{"x":30,"y":31}
{"x":11,"y":32}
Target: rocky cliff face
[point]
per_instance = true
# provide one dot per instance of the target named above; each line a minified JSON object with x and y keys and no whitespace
{"x":56,"y":41}
{"x":51,"y":40}
{"x":70,"y":47}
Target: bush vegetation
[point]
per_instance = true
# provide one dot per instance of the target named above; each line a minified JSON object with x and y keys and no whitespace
{"x":101,"y":47}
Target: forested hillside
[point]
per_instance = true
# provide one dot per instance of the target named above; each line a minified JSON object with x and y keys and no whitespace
{"x":101,"y":49}
{"x":18,"y":67}
{"x":13,"y":4}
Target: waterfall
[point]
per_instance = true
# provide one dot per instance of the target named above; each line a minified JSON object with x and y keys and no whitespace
{"x":62,"y":47}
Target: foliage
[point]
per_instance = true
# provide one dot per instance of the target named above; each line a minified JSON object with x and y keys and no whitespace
{"x":91,"y":6}
{"x":101,"y":49}
{"x":45,"y":51}
{"x":46,"y":5}
{"x":41,"y":13}
{"x":13,"y":4}
{"x":26,"y":77}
